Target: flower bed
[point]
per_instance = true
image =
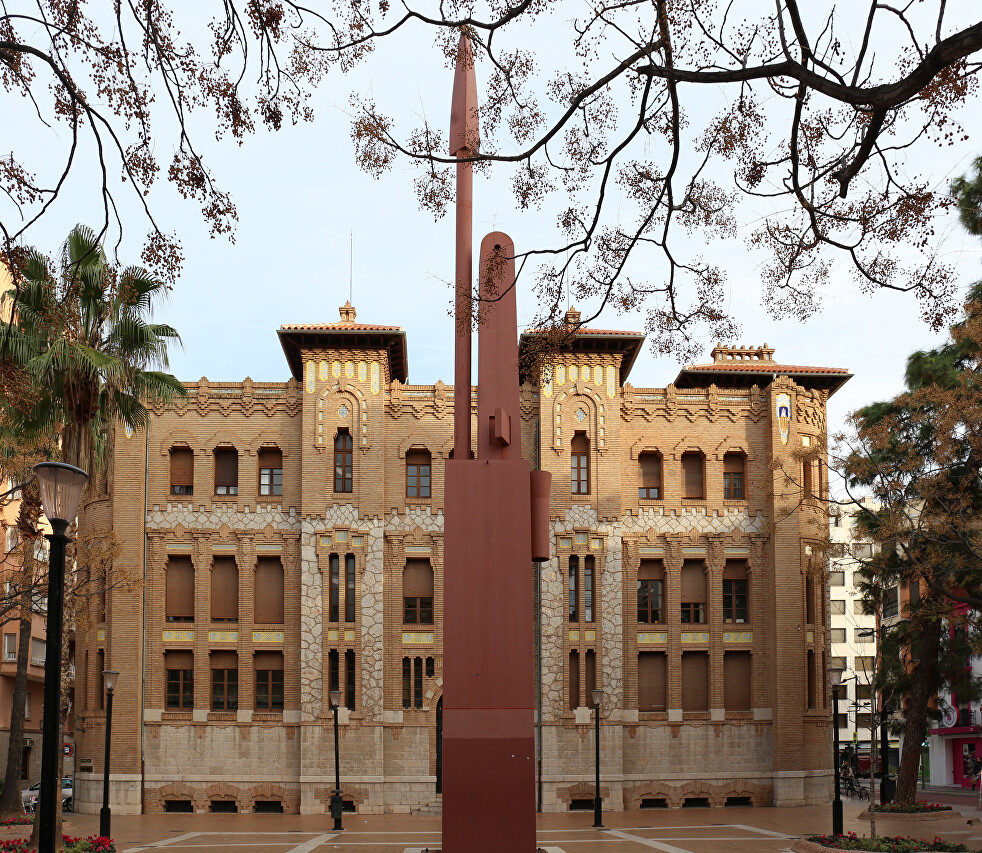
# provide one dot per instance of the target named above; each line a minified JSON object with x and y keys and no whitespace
{"x":72,"y":844}
{"x":19,"y":820}
{"x":919,"y":807}
{"x":880,"y":844}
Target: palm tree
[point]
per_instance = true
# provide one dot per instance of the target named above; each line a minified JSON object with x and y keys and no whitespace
{"x":83,"y":338}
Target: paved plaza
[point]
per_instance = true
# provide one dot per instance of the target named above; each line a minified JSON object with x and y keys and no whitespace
{"x":730,"y":830}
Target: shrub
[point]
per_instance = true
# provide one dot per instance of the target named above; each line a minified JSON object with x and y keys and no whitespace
{"x":917,"y":808}
{"x":887,"y":844}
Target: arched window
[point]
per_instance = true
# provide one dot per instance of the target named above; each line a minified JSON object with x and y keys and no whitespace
{"x":580,"y":464}
{"x":342,"y":461}
{"x":650,"y":465}
{"x":418,"y":474}
{"x":417,"y":592}
{"x":733,"y":476}
{"x":693,"y":480}
{"x":181,"y":471}
{"x":269,"y":591}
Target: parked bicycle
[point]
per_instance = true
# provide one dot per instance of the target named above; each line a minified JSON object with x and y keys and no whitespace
{"x":852,"y":787}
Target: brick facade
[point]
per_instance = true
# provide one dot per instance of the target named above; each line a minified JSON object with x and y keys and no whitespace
{"x":352,"y":377}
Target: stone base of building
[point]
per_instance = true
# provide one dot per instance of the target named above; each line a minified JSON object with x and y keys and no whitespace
{"x":124,"y":793}
{"x":802,"y":787}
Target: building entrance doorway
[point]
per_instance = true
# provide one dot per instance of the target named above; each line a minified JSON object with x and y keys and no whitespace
{"x":439,"y":746}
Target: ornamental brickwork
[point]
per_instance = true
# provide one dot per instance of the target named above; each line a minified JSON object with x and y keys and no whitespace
{"x":223,"y":696}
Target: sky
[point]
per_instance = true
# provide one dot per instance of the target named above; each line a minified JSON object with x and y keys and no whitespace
{"x":304,"y":205}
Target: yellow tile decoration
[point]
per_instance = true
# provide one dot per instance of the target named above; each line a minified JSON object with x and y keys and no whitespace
{"x":598,"y":375}
{"x":362,"y":370}
{"x":311,"y":377}
{"x":357,"y":540}
{"x":341,"y":535}
{"x":590,"y":635}
{"x":418,"y":549}
{"x":574,"y":636}
{"x":326,"y":540}
{"x":736,"y":550}
{"x":810,"y":636}
{"x":332,"y":635}
{"x":738,"y":637}
{"x":581,"y":538}
{"x":654,"y":550}
{"x":349,"y":369}
{"x":565,"y":542}
{"x":596,"y":544}
{"x":323,"y":372}
{"x":267,"y":636}
{"x":418,"y":638}
{"x":178,"y":546}
{"x":178,"y":636}
{"x":223,"y":547}
{"x":560,"y":374}
{"x":223,"y":636}
{"x":695,"y":637}
{"x":269,"y":547}
{"x":611,"y":382}
{"x":349,"y":636}
{"x":336,"y":369}
{"x":585,"y":372}
{"x":694,"y":551}
{"x":653,"y":637}
{"x":376,"y":377}
{"x":100,"y":634}
{"x":572,"y":373}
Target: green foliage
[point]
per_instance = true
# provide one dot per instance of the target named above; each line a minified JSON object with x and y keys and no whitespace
{"x":967,"y":192}
{"x":887,"y":843}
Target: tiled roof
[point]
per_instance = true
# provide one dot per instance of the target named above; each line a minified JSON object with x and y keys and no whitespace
{"x":584,"y":330}
{"x":761,"y":367}
{"x":337,"y":327}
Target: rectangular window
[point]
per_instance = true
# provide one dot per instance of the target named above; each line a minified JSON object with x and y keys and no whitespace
{"x":38,"y":650}
{"x":737,"y":681}
{"x":269,"y":681}
{"x":862,"y":635}
{"x":864,"y":721}
{"x":839,"y":663}
{"x":810,"y":675}
{"x":226,"y":471}
{"x":650,"y":599}
{"x":734,"y":600}
{"x":837,"y":635}
{"x":335,"y":564}
{"x":574,"y":600}
{"x":863,"y":692}
{"x":333,"y":670}
{"x":838,"y":606}
{"x":418,"y":469}
{"x":224,"y":681}
{"x":590,"y":660}
{"x":891,"y":602}
{"x":861,"y":608}
{"x":588,"y":588}
{"x":407,"y":682}
{"x":268,"y":606}
{"x":864,"y":666}
{"x":349,"y":679}
{"x":574,"y":680}
{"x":693,"y":487}
{"x":837,"y":578}
{"x":580,"y":464}
{"x":224,"y":590}
{"x":693,"y":593}
{"x":179,"y":666}
{"x":181,"y":471}
{"x":418,"y":682}
{"x":651,"y":681}
{"x":733,"y":473}
{"x":27,"y":705}
{"x":179,"y":589}
{"x":10,"y":647}
{"x":650,"y":488}
{"x":695,"y":681}
{"x":343,"y":461}
{"x":349,"y":589}
{"x":417,"y":593}
{"x":270,"y":471}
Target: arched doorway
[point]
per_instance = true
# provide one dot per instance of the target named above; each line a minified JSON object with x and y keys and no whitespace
{"x":439,"y":746}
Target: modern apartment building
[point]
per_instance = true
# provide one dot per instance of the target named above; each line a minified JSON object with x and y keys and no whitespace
{"x":290,"y":537}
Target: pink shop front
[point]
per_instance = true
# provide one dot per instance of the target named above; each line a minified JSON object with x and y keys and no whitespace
{"x":952,"y":750}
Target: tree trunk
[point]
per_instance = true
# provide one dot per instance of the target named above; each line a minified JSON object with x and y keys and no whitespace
{"x":10,"y":801}
{"x":915,"y":713}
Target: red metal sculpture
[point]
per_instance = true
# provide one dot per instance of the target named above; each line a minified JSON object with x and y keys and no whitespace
{"x":488,"y":701}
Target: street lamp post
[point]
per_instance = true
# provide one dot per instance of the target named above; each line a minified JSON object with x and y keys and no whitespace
{"x":61,"y":491}
{"x":109,"y":677}
{"x":337,"y":804}
{"x":835,"y":678}
{"x":598,"y":806}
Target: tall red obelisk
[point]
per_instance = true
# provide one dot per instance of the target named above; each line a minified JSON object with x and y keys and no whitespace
{"x":488,"y":700}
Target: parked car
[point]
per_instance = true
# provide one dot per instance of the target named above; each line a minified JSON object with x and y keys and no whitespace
{"x":29,"y":796}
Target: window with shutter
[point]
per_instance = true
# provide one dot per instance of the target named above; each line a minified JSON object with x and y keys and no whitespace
{"x":224,"y":681}
{"x":349,"y":588}
{"x":736,"y":602}
{"x":343,"y":461}
{"x":693,"y":592}
{"x":349,"y":679}
{"x":181,"y":471}
{"x":695,"y":681}
{"x":417,"y":592}
{"x":270,"y":471}
{"x":651,"y":592}
{"x":733,"y":475}
{"x":335,"y":593}
{"x":333,"y":670}
{"x":810,"y":675}
{"x":100,"y":692}
{"x":226,"y":471}
{"x":589,"y":585}
{"x":418,"y":474}
{"x":179,"y":666}
{"x":574,"y":680}
{"x":737,"y":681}
{"x":809,"y":600}
{"x":650,"y":465}
{"x":651,"y":681}
{"x":590,"y":661}
{"x":693,"y":487}
{"x":179,"y":592}
{"x":407,"y":682}
{"x":580,"y":464}
{"x":574,"y":595}
{"x":269,"y":591}
{"x":268,"y":667}
{"x":224,"y":590}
